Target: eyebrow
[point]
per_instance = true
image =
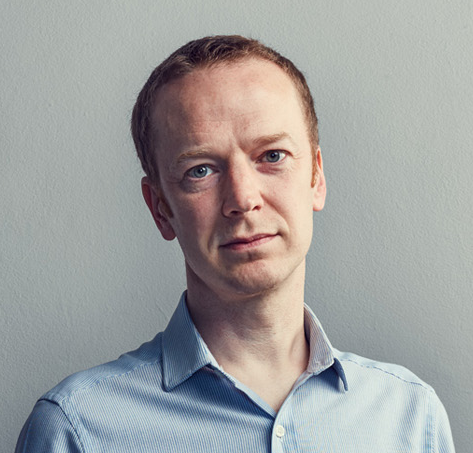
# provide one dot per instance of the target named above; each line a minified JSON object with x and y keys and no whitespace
{"x":192,"y":155}
{"x":268,"y":139}
{"x":258,"y":142}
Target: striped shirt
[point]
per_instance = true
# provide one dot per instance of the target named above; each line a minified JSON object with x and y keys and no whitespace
{"x":170,"y":395}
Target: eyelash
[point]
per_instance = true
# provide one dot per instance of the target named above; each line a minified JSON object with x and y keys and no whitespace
{"x":281,"y":154}
{"x":197,"y":167}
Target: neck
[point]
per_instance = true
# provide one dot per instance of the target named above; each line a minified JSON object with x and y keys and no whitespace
{"x":259,"y":339}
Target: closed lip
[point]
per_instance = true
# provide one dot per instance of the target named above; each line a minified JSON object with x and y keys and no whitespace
{"x":248,"y":239}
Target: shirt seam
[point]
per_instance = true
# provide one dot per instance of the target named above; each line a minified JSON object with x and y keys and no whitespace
{"x":74,"y":429}
{"x":420,"y":384}
{"x":435,"y":425}
{"x":59,"y":399}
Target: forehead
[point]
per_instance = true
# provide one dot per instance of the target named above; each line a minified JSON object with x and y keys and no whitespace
{"x":223,"y":89}
{"x":226,"y":107}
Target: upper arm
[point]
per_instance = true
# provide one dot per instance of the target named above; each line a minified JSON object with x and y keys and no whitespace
{"x":443,"y":441}
{"x":48,"y":430}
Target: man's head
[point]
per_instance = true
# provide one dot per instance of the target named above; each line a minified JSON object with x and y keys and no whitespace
{"x":205,"y":53}
{"x":236,"y":175}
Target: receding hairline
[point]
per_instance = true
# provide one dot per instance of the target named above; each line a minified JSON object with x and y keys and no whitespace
{"x":203,"y":53}
{"x":241,"y":61}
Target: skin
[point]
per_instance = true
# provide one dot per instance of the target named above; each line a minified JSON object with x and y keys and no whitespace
{"x":237,"y":190}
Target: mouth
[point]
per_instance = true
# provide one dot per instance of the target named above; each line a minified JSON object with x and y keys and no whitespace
{"x":245,"y":243}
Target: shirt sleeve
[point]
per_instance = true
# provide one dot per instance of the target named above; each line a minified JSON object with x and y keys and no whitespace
{"x":48,"y":430}
{"x":443,"y":441}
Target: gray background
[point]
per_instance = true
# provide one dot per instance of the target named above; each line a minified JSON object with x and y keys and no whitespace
{"x":84,"y":273}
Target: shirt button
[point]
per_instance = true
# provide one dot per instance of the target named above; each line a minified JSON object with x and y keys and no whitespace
{"x":280,"y":431}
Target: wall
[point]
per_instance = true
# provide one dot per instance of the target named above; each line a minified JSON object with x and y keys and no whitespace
{"x":84,"y":273}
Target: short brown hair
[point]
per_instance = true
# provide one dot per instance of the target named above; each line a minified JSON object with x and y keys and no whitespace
{"x":202,"y":53}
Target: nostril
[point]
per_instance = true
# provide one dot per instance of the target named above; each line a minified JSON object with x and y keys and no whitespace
{"x":237,"y":206}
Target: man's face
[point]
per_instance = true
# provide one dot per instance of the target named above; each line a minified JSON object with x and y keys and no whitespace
{"x":235,"y":166}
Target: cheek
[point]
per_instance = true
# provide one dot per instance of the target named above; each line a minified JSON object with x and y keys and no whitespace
{"x":194,"y":218}
{"x":295,"y":193}
{"x":296,"y":205}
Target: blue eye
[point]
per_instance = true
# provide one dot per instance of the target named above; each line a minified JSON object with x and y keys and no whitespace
{"x":274,"y":156}
{"x":199,"y":172}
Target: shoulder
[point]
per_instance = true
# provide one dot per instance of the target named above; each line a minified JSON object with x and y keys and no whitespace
{"x":88,"y":397}
{"x":122,"y":371}
{"x":405,"y":399}
{"x":361,"y":368}
{"x":48,"y":430}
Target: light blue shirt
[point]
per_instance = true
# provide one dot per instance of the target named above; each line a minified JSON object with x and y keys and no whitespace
{"x":170,"y":395}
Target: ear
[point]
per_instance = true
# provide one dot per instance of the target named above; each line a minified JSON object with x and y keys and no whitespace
{"x":320,"y":189}
{"x":158,"y":207}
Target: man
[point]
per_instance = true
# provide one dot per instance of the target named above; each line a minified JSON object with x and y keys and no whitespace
{"x":226,"y":132}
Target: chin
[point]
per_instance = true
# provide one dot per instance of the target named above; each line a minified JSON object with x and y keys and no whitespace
{"x":256,"y":280}
{"x":244,"y":280}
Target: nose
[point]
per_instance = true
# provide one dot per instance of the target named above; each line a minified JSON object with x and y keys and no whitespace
{"x":241,"y":191}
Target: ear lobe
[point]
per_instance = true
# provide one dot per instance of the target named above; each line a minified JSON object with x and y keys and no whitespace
{"x":158,"y":207}
{"x":320,"y":189}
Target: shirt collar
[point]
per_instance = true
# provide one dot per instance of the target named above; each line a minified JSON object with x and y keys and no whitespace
{"x":185,"y":352}
{"x":322,"y":354}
